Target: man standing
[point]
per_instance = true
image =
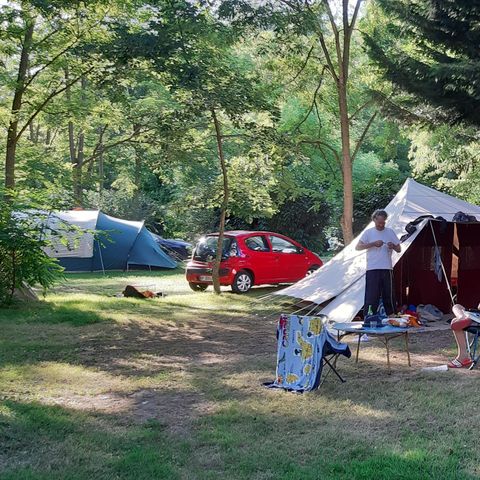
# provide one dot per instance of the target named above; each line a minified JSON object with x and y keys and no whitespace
{"x":379,"y":242}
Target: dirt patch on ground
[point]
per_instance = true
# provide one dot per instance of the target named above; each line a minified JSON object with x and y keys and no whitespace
{"x":206,"y":352}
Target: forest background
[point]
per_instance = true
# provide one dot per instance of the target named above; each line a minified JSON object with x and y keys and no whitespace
{"x":174,"y":111}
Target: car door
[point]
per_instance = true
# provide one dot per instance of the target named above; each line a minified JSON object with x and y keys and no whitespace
{"x":260,"y":259}
{"x":290,"y":259}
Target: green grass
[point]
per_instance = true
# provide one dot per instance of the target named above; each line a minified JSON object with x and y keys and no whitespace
{"x":98,"y":387}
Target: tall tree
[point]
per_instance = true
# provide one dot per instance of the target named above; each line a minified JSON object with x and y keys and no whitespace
{"x":191,"y":49}
{"x":429,"y":49}
{"x":332,"y":30}
{"x":38,"y":37}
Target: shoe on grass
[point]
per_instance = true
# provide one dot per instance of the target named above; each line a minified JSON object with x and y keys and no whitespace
{"x":456,"y":363}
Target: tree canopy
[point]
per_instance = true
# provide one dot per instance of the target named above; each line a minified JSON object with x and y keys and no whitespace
{"x":268,"y":115}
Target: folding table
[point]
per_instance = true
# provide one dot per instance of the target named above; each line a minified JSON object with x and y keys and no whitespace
{"x":384,"y":334}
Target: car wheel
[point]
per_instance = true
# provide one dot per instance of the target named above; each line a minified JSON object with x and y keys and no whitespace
{"x":242,"y":282}
{"x":312,"y":269}
{"x":198,"y":287}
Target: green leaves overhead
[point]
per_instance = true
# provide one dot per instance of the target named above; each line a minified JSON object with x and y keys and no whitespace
{"x":133,"y":133}
{"x":430,"y":50}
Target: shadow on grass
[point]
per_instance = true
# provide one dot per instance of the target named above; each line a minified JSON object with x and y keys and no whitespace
{"x":42,"y":312}
{"x":47,"y":442}
{"x":51,"y":442}
{"x":250,"y":433}
{"x":290,"y":444}
{"x":205,"y":362}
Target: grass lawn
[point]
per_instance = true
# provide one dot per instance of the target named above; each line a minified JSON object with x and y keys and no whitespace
{"x":98,"y":387}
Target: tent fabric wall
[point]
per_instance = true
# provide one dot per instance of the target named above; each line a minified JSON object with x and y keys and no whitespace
{"x":114,"y":245}
{"x":341,"y":281}
{"x":468,"y":264}
{"x":121,"y":244}
{"x":145,"y":251}
{"x":415,"y":274}
{"x":75,"y":247}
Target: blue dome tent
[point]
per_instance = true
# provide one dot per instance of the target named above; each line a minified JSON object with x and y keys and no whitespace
{"x":116,"y":245}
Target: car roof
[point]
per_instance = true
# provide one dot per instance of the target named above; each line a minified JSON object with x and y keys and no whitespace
{"x":242,"y":233}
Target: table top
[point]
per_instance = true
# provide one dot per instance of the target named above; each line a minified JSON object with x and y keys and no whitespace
{"x":357,"y":327}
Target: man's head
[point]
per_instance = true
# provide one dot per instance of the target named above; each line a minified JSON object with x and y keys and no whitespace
{"x":379,"y":218}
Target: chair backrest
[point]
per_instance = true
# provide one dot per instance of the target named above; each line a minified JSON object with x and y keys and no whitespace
{"x":473,"y":315}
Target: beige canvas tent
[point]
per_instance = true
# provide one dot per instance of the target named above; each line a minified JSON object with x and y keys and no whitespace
{"x":339,"y":286}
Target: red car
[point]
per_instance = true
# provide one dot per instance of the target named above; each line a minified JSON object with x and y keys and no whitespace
{"x":250,"y":258}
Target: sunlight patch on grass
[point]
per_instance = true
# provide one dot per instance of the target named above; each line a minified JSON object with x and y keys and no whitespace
{"x":56,"y":379}
{"x":6,"y":413}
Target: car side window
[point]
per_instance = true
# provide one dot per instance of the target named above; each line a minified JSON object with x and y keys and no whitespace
{"x":257,"y":243}
{"x":283,"y":246}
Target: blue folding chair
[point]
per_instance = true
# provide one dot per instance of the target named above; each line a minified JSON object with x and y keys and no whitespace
{"x":473,"y":333}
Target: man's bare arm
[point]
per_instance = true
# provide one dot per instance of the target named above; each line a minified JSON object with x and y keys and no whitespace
{"x":365,"y":246}
{"x":394,"y":246}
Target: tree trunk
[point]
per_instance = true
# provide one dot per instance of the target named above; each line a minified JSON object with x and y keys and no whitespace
{"x":223,"y":210}
{"x":100,"y":163}
{"x":347,"y":217}
{"x":101,"y":173}
{"x":138,"y":164}
{"x":138,"y":171}
{"x":31,"y":130}
{"x":78,"y":192}
{"x":12,"y":136}
{"x":340,"y":76}
{"x":76,"y":149}
{"x":71,"y":138}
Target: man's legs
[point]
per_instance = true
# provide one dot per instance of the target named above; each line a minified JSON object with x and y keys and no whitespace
{"x":372,"y":291}
{"x":387,"y":292}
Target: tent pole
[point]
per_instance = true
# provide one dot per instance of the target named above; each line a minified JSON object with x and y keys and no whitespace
{"x":101,"y":256}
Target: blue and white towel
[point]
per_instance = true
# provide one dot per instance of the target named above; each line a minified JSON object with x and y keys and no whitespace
{"x":302,"y":343}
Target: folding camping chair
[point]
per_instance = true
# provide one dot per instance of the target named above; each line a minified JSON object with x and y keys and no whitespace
{"x":329,"y":359}
{"x":474,"y":332}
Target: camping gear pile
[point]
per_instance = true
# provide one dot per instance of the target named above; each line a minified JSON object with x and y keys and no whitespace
{"x":136,"y":292}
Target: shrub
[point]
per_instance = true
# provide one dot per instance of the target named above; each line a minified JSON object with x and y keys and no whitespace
{"x":22,"y":259}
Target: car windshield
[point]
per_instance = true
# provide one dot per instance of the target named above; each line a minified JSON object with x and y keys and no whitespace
{"x":206,"y":248}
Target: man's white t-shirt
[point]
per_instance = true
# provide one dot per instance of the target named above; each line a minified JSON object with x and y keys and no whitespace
{"x":379,"y":257}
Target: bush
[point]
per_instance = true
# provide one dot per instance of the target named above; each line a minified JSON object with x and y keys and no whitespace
{"x":22,"y":259}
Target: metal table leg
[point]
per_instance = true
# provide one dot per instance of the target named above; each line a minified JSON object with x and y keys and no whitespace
{"x":358,"y":346}
{"x":406,"y":347}
{"x":388,"y":354}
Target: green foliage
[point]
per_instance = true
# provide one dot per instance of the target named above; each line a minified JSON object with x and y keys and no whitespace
{"x":143,"y":116}
{"x":376,"y":183}
{"x":429,"y":48}
{"x":22,"y":260}
{"x":447,"y":158}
